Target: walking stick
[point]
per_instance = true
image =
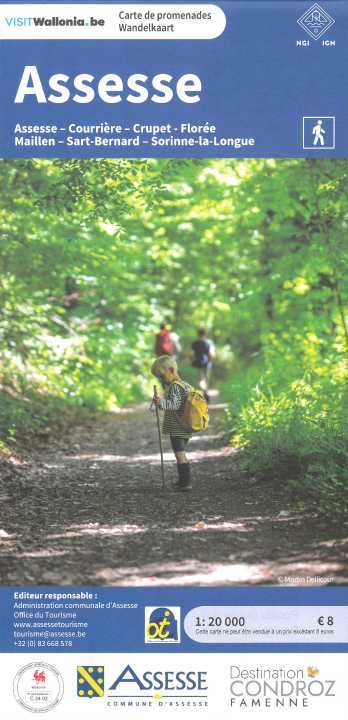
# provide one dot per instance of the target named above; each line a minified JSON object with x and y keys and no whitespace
{"x":159,"y":435}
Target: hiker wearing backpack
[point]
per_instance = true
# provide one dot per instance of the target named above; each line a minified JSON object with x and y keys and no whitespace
{"x":185,"y":412}
{"x":203,"y":351}
{"x":163,"y":342}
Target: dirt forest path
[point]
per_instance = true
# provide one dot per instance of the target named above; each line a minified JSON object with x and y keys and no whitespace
{"x":89,"y":509}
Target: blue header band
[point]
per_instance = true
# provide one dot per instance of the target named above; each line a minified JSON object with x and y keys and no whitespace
{"x":272,"y":84}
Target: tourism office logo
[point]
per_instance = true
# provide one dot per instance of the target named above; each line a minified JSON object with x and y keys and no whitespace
{"x":162,"y":625}
{"x":315,"y":21}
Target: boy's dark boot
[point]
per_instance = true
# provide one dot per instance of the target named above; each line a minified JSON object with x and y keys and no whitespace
{"x":184,"y":481}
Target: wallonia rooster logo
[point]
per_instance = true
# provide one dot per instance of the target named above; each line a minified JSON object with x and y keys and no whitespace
{"x":39,"y":676}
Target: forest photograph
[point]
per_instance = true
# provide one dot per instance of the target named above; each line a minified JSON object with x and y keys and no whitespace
{"x":99,"y":256}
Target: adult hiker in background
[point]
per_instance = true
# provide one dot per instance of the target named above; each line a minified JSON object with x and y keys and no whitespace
{"x":175,"y":394}
{"x":163,"y":342}
{"x":177,"y":349}
{"x":203,"y":350}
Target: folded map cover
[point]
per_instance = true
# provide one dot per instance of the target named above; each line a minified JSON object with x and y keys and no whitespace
{"x":173,"y":359}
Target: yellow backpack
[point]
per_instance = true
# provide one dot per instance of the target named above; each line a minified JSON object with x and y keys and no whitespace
{"x":194,"y":417}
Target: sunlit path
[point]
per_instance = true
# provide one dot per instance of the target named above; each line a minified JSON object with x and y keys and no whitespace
{"x":90,"y":510}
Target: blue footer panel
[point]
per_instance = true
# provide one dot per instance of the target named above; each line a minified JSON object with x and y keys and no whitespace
{"x":139,"y":651}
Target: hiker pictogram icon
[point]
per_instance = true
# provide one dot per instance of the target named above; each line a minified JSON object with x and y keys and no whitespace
{"x":318,"y":132}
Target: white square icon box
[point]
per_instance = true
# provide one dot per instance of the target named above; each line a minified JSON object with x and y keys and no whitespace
{"x":318,"y":132}
{"x":162,"y":625}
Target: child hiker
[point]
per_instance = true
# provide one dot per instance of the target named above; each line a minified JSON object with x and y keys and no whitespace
{"x":176,"y":391}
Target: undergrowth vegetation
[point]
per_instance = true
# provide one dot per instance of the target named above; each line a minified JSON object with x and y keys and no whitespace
{"x":94,"y":254}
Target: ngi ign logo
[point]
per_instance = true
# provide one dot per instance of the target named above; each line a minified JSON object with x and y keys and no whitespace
{"x":162,"y":625}
{"x":315,"y":21}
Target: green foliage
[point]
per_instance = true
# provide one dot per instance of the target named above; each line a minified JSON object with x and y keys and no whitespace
{"x":289,"y":408}
{"x":94,"y":254}
{"x":28,"y":413}
{"x":297,"y":435}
